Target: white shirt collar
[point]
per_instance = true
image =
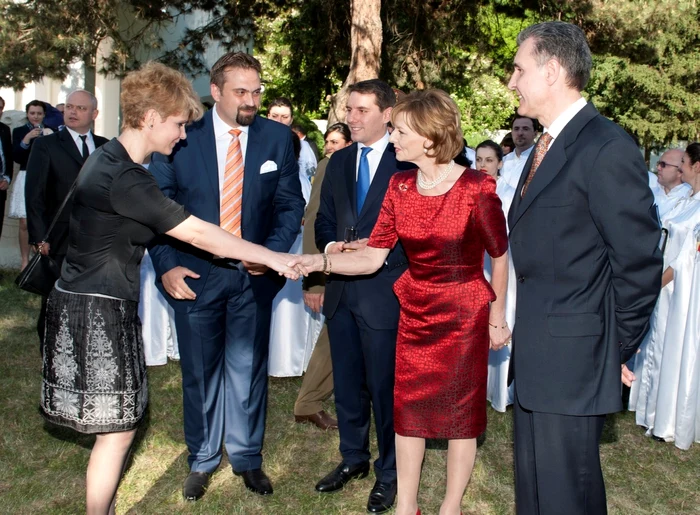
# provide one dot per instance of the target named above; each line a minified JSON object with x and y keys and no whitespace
{"x":682,"y":190}
{"x":523,"y":155}
{"x":221,"y":128}
{"x":378,"y":146}
{"x":565,"y":117}
{"x":75,"y":135}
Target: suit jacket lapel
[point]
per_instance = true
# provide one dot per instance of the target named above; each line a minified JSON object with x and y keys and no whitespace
{"x":205,"y":139}
{"x":551,"y":165}
{"x":69,"y":146}
{"x":351,"y":179}
{"x":251,"y":169}
{"x":380,"y":182}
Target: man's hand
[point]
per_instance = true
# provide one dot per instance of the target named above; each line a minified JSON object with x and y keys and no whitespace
{"x":44,"y":247}
{"x":627,"y":376}
{"x":314,"y":301}
{"x":4,"y":185}
{"x":255,"y":268}
{"x":355,"y":245}
{"x":174,"y":283}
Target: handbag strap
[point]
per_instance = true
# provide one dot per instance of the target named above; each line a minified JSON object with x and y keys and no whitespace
{"x":60,"y":209}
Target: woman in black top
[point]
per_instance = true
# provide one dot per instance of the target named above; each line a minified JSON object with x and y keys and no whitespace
{"x":94,"y":373}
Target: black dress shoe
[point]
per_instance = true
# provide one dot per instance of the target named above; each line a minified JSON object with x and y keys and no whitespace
{"x":341,"y":475}
{"x":382,"y":497}
{"x":256,"y":481}
{"x":195,"y":486}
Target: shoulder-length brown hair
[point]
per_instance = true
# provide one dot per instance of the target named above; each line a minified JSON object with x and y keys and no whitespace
{"x":434,"y":115}
{"x":156,"y":86}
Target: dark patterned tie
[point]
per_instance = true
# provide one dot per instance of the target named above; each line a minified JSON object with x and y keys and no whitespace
{"x":86,"y":150}
{"x":540,"y":151}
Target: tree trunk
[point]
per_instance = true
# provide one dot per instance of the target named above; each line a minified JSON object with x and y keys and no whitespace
{"x":366,"y":48}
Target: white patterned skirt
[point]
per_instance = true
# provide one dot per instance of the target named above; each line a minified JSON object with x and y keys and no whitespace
{"x":94,"y":371}
{"x":17,"y":207}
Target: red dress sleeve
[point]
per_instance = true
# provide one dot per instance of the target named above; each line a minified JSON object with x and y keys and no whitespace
{"x":384,"y":235}
{"x":490,"y":220}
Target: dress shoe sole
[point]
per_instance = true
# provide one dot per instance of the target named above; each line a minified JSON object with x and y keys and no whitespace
{"x":259,"y":492}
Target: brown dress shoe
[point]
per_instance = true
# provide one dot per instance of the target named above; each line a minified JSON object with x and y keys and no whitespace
{"x":322,"y":420}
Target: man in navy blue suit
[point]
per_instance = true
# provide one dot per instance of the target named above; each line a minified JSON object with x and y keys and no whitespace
{"x":222,"y":307}
{"x":362,"y":311}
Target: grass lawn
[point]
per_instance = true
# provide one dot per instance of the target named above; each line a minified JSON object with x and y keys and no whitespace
{"x":43,"y":467}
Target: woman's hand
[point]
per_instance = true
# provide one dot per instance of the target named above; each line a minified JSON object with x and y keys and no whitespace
{"x":500,"y":335}
{"x":307,"y":263}
{"x":278,"y":263}
{"x":31,"y":135}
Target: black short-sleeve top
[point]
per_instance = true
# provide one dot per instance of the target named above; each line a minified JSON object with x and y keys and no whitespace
{"x":117,"y":209}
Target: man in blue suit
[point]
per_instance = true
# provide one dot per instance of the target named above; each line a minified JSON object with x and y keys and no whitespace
{"x":362,"y":311}
{"x":222,"y":307}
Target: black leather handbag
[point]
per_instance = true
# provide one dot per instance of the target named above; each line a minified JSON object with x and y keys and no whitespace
{"x":42,"y":272}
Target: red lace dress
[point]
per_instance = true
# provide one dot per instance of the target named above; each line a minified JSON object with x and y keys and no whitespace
{"x":443,"y":340}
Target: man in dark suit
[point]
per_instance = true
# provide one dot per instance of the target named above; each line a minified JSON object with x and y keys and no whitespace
{"x":6,"y":163}
{"x":237,"y":170}
{"x":53,"y":165}
{"x":584,"y":238}
{"x":362,"y":312}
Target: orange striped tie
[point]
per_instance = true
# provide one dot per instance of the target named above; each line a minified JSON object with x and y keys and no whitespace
{"x":232,"y":192}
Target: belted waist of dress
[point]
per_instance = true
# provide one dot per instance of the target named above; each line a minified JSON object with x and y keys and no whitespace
{"x":445,"y":274}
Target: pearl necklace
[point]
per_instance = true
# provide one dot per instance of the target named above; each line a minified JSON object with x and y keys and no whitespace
{"x":429,"y":185}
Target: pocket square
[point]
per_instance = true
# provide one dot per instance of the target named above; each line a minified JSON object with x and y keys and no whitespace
{"x":268,"y":166}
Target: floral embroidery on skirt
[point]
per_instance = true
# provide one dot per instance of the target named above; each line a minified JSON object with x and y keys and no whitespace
{"x":94,"y":371}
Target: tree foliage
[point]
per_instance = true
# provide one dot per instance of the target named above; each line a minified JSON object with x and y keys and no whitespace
{"x":646,"y":53}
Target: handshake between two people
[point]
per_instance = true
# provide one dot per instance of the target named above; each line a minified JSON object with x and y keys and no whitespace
{"x":291,"y":266}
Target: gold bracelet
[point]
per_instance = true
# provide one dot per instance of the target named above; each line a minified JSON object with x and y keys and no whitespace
{"x":330,"y":265}
{"x":325,"y":262}
{"x":496,"y":327}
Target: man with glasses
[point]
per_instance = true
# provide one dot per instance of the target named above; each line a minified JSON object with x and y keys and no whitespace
{"x":670,"y":187}
{"x":237,"y":170}
{"x":53,"y":166}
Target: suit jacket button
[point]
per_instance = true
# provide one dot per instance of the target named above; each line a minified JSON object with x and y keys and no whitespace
{"x":521,"y":279}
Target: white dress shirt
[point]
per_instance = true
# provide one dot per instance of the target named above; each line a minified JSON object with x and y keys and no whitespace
{"x":79,"y":142}
{"x":374,"y":157}
{"x":223,"y":140}
{"x":564,"y":118}
{"x":513,"y":165}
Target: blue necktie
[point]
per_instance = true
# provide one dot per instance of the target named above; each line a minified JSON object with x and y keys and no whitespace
{"x":363,"y":178}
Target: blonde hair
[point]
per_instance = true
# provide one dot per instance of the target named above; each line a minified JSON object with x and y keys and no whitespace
{"x":434,"y":115}
{"x":156,"y":86}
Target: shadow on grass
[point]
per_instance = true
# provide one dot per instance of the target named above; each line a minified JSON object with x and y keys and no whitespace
{"x":162,"y":487}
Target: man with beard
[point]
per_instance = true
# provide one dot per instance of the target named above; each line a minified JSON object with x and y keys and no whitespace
{"x":523,"y":132}
{"x":237,"y":170}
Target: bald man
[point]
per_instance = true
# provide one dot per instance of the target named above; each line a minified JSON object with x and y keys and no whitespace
{"x":670,"y":188}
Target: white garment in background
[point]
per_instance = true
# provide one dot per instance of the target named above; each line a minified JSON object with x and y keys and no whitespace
{"x":498,"y":393}
{"x":513,"y":166}
{"x":157,"y":319}
{"x":17,"y":207}
{"x":667,"y":201}
{"x":307,"y":160}
{"x":666,"y":395}
{"x":294,"y":328}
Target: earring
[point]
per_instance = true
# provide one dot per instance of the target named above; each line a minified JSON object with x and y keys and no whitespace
{"x":425,"y":150}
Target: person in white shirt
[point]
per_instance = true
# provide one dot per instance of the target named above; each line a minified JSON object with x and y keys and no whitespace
{"x":293,"y":327}
{"x":524,"y":130}
{"x":670,"y":187}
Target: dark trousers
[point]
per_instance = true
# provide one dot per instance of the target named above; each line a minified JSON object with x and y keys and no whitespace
{"x":223,"y":344}
{"x":363,"y":380}
{"x":557,"y":463}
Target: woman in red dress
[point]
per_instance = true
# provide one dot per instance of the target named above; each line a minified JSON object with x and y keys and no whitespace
{"x":446,"y":216}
